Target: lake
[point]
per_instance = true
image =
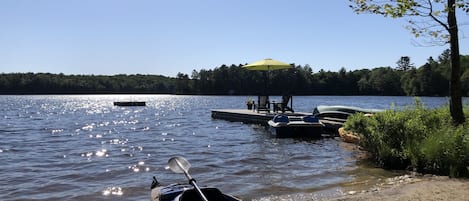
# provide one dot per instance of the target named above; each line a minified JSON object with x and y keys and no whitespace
{"x":81,"y":147}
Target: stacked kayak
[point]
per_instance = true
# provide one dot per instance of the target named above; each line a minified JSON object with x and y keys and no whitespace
{"x":340,"y":111}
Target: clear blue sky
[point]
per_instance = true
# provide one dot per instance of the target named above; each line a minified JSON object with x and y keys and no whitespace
{"x":107,"y":37}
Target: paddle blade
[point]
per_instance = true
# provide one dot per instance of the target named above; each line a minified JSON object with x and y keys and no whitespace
{"x":179,"y":164}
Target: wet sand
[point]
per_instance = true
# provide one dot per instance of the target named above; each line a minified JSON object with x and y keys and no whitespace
{"x":408,"y":187}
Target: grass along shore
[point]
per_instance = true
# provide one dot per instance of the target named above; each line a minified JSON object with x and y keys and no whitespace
{"x":415,"y":138}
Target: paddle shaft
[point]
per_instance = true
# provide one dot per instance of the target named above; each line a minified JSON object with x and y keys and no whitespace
{"x":192,"y":181}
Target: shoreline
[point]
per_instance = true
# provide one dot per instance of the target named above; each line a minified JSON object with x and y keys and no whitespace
{"x":413,"y":187}
{"x":407,"y":187}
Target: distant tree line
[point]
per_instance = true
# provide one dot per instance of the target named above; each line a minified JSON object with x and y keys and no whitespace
{"x":431,"y":79}
{"x":47,"y":83}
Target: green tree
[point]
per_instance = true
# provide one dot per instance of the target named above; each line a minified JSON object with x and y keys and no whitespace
{"x":424,"y":77}
{"x":465,"y":82}
{"x":182,"y":84}
{"x":409,"y":83}
{"x":443,"y":30}
{"x":404,"y":64}
{"x":385,"y":81}
{"x":445,"y":57}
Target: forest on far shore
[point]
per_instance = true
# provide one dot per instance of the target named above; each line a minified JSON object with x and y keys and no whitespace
{"x":430,"y":79}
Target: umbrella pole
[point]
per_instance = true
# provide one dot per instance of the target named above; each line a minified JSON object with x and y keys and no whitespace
{"x":268,"y":80}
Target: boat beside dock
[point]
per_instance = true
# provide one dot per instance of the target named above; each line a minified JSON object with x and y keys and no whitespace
{"x":247,"y":116}
{"x":262,"y":118}
{"x":296,"y":126}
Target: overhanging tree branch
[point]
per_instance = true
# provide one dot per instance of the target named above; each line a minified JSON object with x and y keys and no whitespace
{"x":426,"y":8}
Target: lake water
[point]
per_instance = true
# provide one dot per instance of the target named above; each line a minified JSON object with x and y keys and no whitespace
{"x":81,"y":147}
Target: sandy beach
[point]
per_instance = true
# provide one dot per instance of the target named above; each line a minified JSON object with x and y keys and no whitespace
{"x":408,"y":187}
{"x":411,"y":186}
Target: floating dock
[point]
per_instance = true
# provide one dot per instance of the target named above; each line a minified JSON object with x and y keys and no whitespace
{"x":261,"y":118}
{"x":129,"y":103}
{"x":248,"y":116}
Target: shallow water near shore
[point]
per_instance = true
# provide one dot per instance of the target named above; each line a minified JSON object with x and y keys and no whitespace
{"x":81,"y":147}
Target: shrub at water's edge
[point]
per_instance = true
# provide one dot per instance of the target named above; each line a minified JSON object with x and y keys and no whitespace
{"x":415,"y":138}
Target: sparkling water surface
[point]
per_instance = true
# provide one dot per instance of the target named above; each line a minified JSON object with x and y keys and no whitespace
{"x":81,"y":147}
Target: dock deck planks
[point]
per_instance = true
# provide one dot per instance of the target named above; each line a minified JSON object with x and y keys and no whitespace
{"x":254,"y":117}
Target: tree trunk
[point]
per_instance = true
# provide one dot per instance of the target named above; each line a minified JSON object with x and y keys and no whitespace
{"x":455,"y":84}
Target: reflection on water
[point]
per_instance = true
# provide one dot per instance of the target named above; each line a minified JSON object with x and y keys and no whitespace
{"x":84,"y":148}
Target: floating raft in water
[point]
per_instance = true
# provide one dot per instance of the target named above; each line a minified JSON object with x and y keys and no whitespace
{"x":129,"y":103}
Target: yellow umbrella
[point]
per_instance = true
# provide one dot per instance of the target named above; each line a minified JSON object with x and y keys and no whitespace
{"x":267,"y":64}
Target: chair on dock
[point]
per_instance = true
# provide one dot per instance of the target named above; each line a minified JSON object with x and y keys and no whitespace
{"x":283,"y":106}
{"x":263,"y":104}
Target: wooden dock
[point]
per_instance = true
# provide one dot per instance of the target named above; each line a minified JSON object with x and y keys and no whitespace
{"x":254,"y":117}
